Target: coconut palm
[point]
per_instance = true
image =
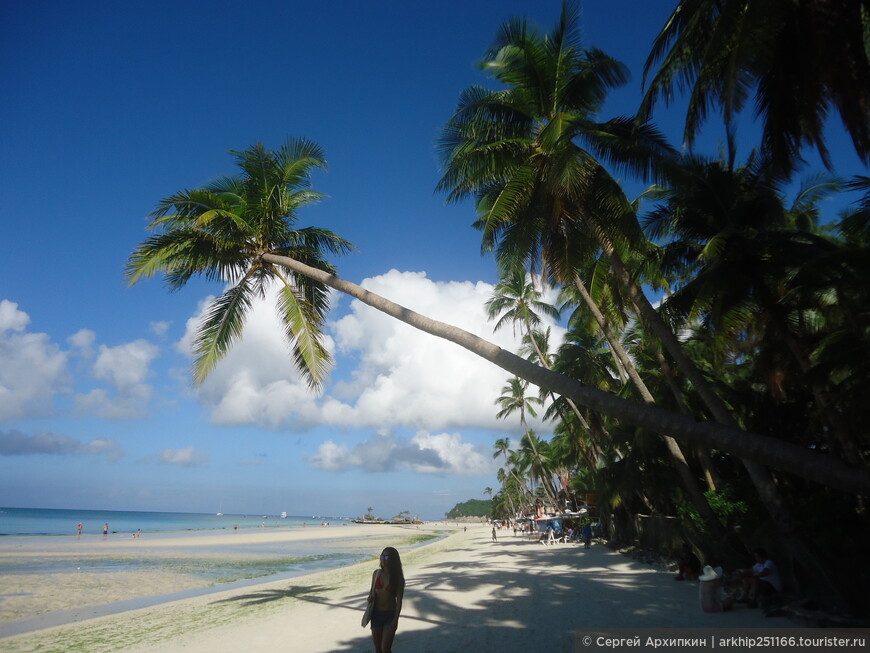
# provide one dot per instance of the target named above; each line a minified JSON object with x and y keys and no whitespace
{"x":739,"y":245}
{"x":220,"y":232}
{"x":798,"y":60}
{"x":515,"y":300}
{"x":211,"y":245}
{"x":540,"y":195}
{"x":514,"y":400}
{"x":543,"y":199}
{"x":535,"y":452}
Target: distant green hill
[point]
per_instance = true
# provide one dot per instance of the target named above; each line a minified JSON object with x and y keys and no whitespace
{"x":471,"y":508}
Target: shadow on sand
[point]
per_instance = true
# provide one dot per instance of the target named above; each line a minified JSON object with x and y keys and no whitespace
{"x":512,"y":587}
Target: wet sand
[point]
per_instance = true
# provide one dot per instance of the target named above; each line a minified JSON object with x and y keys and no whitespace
{"x":464,"y":592}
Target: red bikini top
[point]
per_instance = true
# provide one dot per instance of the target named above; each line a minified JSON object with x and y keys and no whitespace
{"x":378,"y":585}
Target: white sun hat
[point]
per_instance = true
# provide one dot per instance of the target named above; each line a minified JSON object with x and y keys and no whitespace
{"x":710,"y":573}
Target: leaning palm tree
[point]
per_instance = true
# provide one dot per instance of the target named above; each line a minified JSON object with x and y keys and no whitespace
{"x":527,"y":154}
{"x":221,"y":231}
{"x":543,"y":198}
{"x":211,"y":245}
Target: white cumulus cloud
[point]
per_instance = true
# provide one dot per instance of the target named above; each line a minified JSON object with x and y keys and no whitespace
{"x":256,"y":383}
{"x":406,"y":377}
{"x":390,"y":374}
{"x":126,"y":368}
{"x":425,"y":453}
{"x":33,"y":370}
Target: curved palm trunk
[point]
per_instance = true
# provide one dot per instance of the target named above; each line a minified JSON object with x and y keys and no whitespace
{"x":545,"y":363}
{"x":597,"y":449}
{"x":764,"y":449}
{"x":545,"y":475}
{"x":710,"y":475}
{"x":711,"y":521}
{"x":769,"y":494}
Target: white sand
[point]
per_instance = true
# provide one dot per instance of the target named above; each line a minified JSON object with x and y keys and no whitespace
{"x":464,"y":593}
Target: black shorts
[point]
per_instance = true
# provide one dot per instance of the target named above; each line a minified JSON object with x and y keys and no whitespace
{"x":381,"y":618}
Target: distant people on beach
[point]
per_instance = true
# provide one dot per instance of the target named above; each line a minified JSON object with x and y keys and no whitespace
{"x":79,"y":528}
{"x":105,"y":531}
{"x":688,"y":565}
{"x":387,"y":591}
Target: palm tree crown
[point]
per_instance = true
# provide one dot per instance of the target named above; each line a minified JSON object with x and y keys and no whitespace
{"x":801,"y":59}
{"x":221,"y":232}
{"x":527,"y":153}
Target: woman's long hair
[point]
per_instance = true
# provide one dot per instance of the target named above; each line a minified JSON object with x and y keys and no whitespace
{"x":394,"y":567}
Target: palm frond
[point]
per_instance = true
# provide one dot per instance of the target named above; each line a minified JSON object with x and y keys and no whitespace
{"x":303,"y":331}
{"x":220,"y":328}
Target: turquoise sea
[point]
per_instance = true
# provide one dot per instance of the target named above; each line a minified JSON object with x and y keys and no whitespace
{"x":43,"y":521}
{"x":44,"y":541}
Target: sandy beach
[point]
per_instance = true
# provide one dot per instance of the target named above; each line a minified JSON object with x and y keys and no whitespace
{"x":463,"y":592}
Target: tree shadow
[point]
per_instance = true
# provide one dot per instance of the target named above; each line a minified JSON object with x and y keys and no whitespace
{"x":513,"y":592}
{"x":456,"y":605}
{"x":299,"y":592}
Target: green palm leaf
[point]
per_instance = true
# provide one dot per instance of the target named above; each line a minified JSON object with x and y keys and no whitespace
{"x":221,"y":232}
{"x":221,"y":327}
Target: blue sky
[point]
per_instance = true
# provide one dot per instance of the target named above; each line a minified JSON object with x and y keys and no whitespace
{"x":111,"y":107}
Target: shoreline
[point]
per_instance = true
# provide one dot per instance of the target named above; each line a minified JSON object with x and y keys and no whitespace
{"x":464,"y":591}
{"x":51,"y":581}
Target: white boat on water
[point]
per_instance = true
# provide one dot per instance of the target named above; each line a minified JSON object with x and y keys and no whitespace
{"x":284,"y":515}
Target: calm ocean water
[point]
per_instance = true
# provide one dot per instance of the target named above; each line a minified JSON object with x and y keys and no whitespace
{"x":41,"y":521}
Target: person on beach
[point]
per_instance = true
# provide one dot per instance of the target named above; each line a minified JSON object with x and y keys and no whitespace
{"x":586,"y":533}
{"x":494,"y":538}
{"x":79,"y":527}
{"x":688,"y":565}
{"x":388,"y":588}
{"x":105,"y":531}
{"x":763,"y":580}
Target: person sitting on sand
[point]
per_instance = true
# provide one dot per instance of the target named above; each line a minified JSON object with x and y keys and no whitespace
{"x":712,"y":593}
{"x":763,"y":580}
{"x":688,"y":565}
{"x":388,"y":588}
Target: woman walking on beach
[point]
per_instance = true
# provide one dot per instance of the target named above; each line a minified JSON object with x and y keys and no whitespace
{"x":388,"y":585}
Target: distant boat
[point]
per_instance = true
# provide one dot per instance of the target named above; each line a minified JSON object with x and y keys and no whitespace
{"x":284,"y":515}
{"x":220,"y":514}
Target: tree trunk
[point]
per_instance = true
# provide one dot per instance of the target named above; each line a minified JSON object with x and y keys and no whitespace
{"x":710,"y":475}
{"x":764,"y":449}
{"x":769,"y":494}
{"x":711,"y":521}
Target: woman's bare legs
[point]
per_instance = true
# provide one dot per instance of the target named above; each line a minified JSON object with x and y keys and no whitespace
{"x":377,"y":637}
{"x":389,"y":634}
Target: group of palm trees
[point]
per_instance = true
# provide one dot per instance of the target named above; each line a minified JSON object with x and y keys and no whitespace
{"x":738,"y":403}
